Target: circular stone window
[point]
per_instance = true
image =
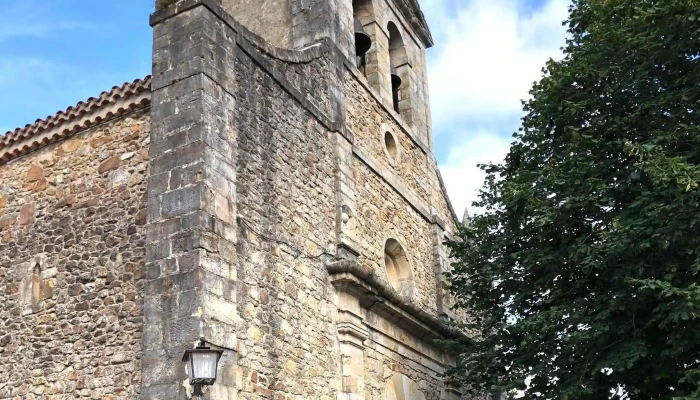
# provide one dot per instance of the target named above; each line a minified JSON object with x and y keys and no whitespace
{"x":391,"y":147}
{"x":398,"y":270}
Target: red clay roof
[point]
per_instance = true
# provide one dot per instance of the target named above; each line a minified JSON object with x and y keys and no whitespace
{"x":74,"y":119}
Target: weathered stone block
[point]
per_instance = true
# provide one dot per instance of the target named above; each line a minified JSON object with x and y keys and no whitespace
{"x":26,"y":214}
{"x":109,"y":164}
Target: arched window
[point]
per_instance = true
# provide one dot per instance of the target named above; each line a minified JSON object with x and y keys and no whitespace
{"x":398,"y":269}
{"x":398,"y":59}
{"x":391,"y":147}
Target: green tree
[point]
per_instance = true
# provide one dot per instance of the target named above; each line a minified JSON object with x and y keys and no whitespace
{"x":581,"y":277}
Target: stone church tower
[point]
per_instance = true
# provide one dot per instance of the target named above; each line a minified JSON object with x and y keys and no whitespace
{"x":267,"y":189}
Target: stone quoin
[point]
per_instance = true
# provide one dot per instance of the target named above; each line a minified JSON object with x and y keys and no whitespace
{"x":267,"y":189}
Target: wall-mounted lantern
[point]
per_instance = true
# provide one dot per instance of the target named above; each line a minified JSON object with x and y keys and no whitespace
{"x":202,"y":363}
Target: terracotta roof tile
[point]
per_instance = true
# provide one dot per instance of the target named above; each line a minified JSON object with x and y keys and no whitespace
{"x":118,"y":101}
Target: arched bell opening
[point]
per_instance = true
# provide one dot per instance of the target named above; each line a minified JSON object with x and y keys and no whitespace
{"x":363,"y":13}
{"x":397,"y":57}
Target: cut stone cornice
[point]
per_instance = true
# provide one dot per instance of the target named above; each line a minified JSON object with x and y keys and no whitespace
{"x":411,"y":10}
{"x":379,"y":297}
{"x":120,"y":100}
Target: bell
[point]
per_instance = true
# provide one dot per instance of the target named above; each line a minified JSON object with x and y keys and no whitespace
{"x":395,"y":85}
{"x":395,"y":79}
{"x":362,"y":40}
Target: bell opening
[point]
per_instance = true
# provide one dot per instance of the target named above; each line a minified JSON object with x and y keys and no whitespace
{"x":362,"y":40}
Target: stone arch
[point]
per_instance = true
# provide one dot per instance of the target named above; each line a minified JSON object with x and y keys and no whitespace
{"x":364,"y":10}
{"x":397,"y":47}
{"x":392,"y":147}
{"x":398,"y":58}
{"x":398,"y":269}
{"x":400,"y":387}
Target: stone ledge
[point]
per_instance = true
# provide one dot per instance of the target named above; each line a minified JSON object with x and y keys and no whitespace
{"x":411,"y":9}
{"x":399,"y":188}
{"x":377,"y":296}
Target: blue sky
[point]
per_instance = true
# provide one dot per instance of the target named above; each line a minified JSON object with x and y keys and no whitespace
{"x":54,"y":53}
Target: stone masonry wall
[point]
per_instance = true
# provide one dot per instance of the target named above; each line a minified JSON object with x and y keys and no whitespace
{"x":369,"y":121}
{"x":270,"y":19}
{"x":382,"y":362}
{"x":123,"y":245}
{"x":287,"y":345}
{"x":71,"y":328}
{"x":382,"y":214}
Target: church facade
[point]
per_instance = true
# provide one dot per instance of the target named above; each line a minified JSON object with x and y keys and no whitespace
{"x":271,"y":188}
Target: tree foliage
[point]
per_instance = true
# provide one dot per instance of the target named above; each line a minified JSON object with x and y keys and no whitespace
{"x":581,"y":277}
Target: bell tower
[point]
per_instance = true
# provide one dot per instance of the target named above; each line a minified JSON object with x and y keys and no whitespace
{"x":386,"y":39}
{"x":294,"y":24}
{"x":297,"y":217}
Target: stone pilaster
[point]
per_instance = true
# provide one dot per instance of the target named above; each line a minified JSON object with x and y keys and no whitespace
{"x":352,"y":334}
{"x":190,"y":285}
{"x":442,"y":264}
{"x":346,"y":226}
{"x":452,"y":390}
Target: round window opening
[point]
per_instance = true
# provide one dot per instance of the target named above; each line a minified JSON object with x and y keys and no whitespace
{"x":398,"y":270}
{"x":392,"y":148}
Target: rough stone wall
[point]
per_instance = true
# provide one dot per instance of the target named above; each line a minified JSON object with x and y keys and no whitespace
{"x":315,"y":20}
{"x":382,"y":214}
{"x":314,"y":77}
{"x":270,"y":19}
{"x":250,"y":166}
{"x":296,"y":24}
{"x":287,"y":345}
{"x":369,"y":122}
{"x":72,"y":328}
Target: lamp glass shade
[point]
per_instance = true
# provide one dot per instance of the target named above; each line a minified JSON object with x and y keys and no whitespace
{"x":204,"y":365}
{"x":201,"y":365}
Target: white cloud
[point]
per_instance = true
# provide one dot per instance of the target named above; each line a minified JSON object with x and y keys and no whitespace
{"x":489,"y":52}
{"x":31,"y":19}
{"x":462,"y":177}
